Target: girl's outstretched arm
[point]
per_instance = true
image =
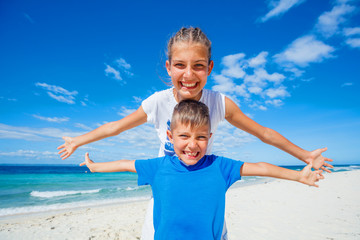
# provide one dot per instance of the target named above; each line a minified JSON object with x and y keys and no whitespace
{"x":237,"y":118}
{"x":115,"y":166}
{"x":107,"y":130}
{"x":305,"y":176}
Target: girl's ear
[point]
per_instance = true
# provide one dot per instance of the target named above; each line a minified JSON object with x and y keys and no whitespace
{"x":168,"y":67}
{"x":210,"y":68}
{"x":169,"y":134}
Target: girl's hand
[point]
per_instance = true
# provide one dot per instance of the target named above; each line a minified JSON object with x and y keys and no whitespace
{"x":88,"y":162}
{"x":67,"y":148}
{"x":318,"y":161}
{"x":309,"y":177}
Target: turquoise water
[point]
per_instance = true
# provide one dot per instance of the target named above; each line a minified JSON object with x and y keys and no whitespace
{"x":31,"y":189}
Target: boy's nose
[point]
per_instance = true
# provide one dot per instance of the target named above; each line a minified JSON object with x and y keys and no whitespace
{"x":192,"y":144}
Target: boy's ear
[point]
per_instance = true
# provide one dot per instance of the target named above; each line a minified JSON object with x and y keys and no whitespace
{"x":168,"y":67}
{"x":169,"y":134}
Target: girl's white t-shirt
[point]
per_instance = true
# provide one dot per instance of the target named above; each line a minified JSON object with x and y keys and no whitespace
{"x":159,"y":108}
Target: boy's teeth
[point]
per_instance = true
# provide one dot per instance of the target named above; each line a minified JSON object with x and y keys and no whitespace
{"x":188,"y":84}
{"x":192,"y":154}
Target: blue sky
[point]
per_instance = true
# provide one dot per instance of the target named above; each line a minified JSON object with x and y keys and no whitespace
{"x":70,"y":66}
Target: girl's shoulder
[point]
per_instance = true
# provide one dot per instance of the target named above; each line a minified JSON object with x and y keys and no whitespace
{"x":211,"y":93}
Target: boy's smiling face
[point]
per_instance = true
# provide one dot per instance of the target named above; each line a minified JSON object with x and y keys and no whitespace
{"x":190,"y":144}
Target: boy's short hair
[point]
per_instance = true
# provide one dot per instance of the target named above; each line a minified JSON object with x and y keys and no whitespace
{"x":191,"y":112}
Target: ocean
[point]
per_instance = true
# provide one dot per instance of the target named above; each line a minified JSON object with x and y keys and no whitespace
{"x":40,"y":188}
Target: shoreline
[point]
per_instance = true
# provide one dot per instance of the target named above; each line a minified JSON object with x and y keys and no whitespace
{"x":274,"y":209}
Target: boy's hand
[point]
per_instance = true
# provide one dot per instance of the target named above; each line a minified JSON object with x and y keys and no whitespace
{"x":67,"y":148}
{"x":309,"y":177}
{"x":88,"y":162}
{"x":318,"y":161}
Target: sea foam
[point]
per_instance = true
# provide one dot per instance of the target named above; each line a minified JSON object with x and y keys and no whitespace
{"x":51,"y":194}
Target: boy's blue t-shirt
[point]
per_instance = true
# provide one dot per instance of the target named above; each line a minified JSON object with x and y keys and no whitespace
{"x":189,"y":201}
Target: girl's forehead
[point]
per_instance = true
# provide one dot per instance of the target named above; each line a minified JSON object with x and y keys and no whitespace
{"x":184,"y":48}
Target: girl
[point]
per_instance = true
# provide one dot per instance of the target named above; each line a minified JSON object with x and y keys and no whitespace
{"x":189,"y":64}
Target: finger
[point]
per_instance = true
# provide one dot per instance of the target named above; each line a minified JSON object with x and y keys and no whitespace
{"x":328,"y":165}
{"x":315,"y":185}
{"x":66,"y":155}
{"x":325,"y":169}
{"x":61,"y":146}
{"x":328,"y":159}
{"x":82,"y":164}
{"x":60,"y":152}
{"x":87,"y":156}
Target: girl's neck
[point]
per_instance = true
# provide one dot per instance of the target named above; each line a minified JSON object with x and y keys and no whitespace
{"x":178,"y":97}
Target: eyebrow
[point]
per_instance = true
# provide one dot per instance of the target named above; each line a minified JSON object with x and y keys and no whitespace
{"x":200,"y":60}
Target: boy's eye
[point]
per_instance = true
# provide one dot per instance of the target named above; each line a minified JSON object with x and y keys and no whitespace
{"x":202,"y":137}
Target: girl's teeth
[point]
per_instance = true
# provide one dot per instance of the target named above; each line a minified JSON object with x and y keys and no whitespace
{"x":189,"y":84}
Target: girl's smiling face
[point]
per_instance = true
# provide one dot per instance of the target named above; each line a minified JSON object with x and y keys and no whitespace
{"x":189,"y":68}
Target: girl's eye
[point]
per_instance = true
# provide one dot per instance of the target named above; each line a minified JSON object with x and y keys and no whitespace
{"x":179,"y":65}
{"x":199,"y":66}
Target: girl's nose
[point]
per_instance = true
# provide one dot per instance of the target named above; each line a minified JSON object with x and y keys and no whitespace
{"x":188,"y":72}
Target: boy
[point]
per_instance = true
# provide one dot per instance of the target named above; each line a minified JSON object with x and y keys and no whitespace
{"x":189,"y":188}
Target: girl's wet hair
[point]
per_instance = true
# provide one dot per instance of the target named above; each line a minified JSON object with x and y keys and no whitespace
{"x":190,"y":112}
{"x":189,"y":35}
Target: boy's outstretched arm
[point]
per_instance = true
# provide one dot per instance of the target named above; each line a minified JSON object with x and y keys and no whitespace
{"x":305,"y":176}
{"x":115,"y":166}
{"x":107,"y":130}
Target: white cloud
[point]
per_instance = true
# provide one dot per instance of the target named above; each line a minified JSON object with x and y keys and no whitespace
{"x":329,"y":22}
{"x":33,"y":134}
{"x":228,"y":136}
{"x":9,"y":99}
{"x":275,"y":102}
{"x":122,"y":63}
{"x":137,"y":99}
{"x":29,"y":18}
{"x":280,"y":7}
{"x":223,"y":84}
{"x":51,"y":119}
{"x":58,"y":93}
{"x":122,"y":67}
{"x":351,"y":31}
{"x":233,"y":65}
{"x":83,"y":126}
{"x":112,"y":72}
{"x":31,"y":154}
{"x":259,"y":60}
{"x":304,"y":50}
{"x":277,"y":92}
{"x":248,"y":78}
{"x":353,"y":42}
{"x":125,"y":111}
{"x":348,"y":84}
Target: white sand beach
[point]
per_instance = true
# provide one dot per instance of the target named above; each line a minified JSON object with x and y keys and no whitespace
{"x":273,"y":210}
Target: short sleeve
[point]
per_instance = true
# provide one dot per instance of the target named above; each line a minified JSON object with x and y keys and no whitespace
{"x":150,"y":106}
{"x":146,"y":170}
{"x":230,"y":169}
